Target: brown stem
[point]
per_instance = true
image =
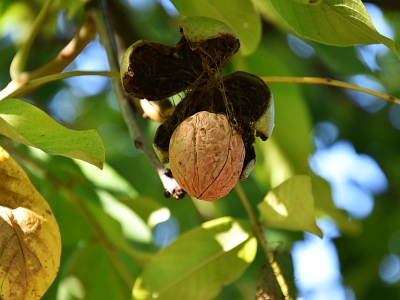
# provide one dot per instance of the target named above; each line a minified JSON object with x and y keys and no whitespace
{"x":273,"y":265}
{"x":127,"y":108}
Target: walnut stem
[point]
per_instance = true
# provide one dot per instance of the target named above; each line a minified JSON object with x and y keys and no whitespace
{"x":99,"y":11}
{"x":328,"y":81}
{"x":261,"y":239}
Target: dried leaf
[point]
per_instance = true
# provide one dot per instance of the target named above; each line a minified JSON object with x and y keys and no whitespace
{"x":30,"y":242}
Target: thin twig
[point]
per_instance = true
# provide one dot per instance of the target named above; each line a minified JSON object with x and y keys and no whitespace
{"x":261,"y":239}
{"x":127,"y":108}
{"x":328,"y":81}
{"x":46,"y":79}
{"x":18,"y":64}
{"x":86,"y":33}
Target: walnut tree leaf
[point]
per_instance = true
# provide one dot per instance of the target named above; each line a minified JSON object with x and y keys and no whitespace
{"x":290,"y":206}
{"x":27,"y":124}
{"x":333,"y":22}
{"x":30,"y":242}
{"x":199,"y":262}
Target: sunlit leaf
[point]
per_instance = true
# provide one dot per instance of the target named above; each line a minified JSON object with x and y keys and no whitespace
{"x":287,"y":151}
{"x":97,"y":275}
{"x":108,"y":179}
{"x":133,"y":226}
{"x":113,"y":233}
{"x":290,"y":206}
{"x":29,"y":125}
{"x":30,"y":242}
{"x":148,"y":209}
{"x":322,"y":191}
{"x":199,"y":262}
{"x":335,"y":22}
{"x":240,"y":15}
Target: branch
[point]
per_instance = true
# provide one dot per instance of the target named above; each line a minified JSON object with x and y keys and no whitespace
{"x":327,"y":81}
{"x":18,"y":64}
{"x":273,"y":265}
{"x":32,"y":84}
{"x":86,"y":33}
{"x":127,"y":108}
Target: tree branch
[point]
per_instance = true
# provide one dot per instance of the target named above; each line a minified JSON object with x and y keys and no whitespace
{"x":32,"y":84}
{"x":86,"y":33}
{"x":99,"y":11}
{"x":273,"y":265}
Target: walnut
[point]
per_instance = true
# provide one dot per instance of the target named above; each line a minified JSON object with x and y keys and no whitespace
{"x":194,"y":68}
{"x":206,"y":155}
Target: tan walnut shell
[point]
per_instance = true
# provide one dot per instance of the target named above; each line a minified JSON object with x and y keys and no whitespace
{"x":206,"y":155}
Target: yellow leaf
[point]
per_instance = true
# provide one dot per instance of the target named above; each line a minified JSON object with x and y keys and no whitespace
{"x":30,"y":242}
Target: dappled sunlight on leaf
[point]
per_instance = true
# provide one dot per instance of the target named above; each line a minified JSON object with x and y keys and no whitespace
{"x":30,"y":242}
{"x":27,"y":124}
{"x":199,"y":262}
{"x":290,"y":206}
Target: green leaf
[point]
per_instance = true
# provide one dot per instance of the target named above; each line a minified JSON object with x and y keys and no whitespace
{"x":97,"y":276}
{"x":113,"y":233}
{"x":287,"y":151}
{"x":240,"y":15}
{"x":108,"y":179}
{"x":290,"y":206}
{"x":199,"y":262}
{"x":335,"y":22}
{"x":27,"y":124}
{"x":322,"y":192}
{"x":348,"y":64}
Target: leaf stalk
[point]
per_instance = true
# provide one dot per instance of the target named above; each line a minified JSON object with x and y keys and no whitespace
{"x":328,"y":81}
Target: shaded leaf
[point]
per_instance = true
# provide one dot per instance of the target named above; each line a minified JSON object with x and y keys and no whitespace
{"x":229,"y":12}
{"x":199,"y":262}
{"x":348,"y":64}
{"x":335,"y":22}
{"x":113,"y":233}
{"x":29,"y":125}
{"x":30,"y":242}
{"x":96,"y":273}
{"x":290,"y":206}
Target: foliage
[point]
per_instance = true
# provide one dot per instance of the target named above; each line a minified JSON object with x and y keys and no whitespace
{"x":120,"y":237}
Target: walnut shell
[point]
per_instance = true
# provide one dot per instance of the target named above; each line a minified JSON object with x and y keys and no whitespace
{"x":206,"y":155}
